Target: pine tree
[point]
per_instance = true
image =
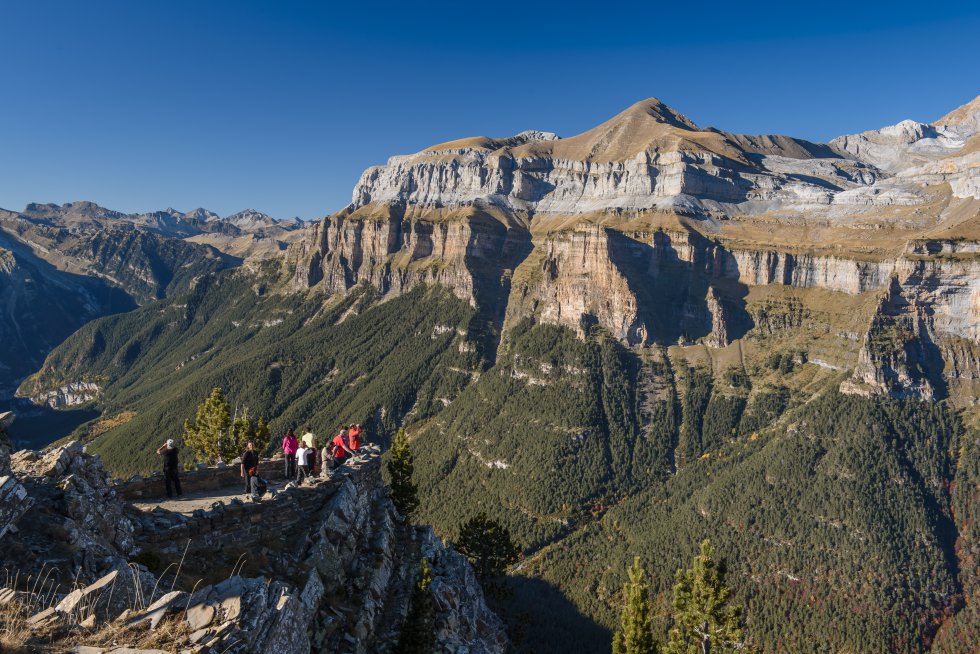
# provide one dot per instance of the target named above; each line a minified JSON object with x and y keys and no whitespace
{"x":488,"y":546}
{"x":262,"y":435}
{"x":210,"y":435}
{"x":401,"y":468}
{"x":244,"y":432}
{"x":419,"y":632}
{"x":636,"y":622}
{"x":214,"y":435}
{"x":706,"y":620}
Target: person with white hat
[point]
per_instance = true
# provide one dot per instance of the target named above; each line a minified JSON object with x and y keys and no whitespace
{"x":171,"y":466}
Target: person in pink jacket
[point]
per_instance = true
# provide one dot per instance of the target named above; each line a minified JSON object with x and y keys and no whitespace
{"x":289,"y":447}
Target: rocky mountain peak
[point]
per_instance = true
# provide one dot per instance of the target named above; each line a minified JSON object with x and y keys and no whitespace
{"x":910,"y":143}
{"x":658,"y":111}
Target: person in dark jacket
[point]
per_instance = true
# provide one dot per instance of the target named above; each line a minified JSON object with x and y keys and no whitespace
{"x":171,"y":467}
{"x":250,"y":465}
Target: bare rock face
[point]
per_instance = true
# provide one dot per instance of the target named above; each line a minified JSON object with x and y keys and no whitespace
{"x":924,"y":340}
{"x":74,"y":501}
{"x":579,"y":279}
{"x":68,"y":395}
{"x":6,"y":419}
{"x":647,"y":157}
{"x":464,"y":622}
{"x":535,"y":225}
{"x":14,"y":503}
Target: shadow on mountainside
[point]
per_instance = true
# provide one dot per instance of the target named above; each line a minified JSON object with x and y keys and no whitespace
{"x":541,"y":619}
{"x":36,"y":427}
{"x":493,"y":252}
{"x":672,"y":293}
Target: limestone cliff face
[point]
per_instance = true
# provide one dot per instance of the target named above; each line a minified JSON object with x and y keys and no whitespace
{"x":832,"y":273}
{"x":924,"y":340}
{"x":468,"y":252}
{"x":577,"y":278}
{"x":668,"y":286}
{"x":643,"y":286}
{"x":649,"y":156}
{"x":68,"y":395}
{"x":656,"y":230}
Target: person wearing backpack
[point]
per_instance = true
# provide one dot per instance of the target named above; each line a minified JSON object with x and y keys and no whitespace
{"x":171,"y":466}
{"x":289,"y":446}
{"x":250,"y":465}
{"x":259,"y":486}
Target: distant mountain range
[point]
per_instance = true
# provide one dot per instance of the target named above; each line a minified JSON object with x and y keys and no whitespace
{"x":63,"y":265}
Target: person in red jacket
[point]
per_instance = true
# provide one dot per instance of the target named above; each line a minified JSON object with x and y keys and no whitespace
{"x":354,"y":437}
{"x":289,"y":446}
{"x":340,"y":448}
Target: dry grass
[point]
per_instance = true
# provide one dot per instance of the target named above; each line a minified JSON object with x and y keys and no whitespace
{"x":105,"y":424}
{"x":35,"y":594}
{"x":168,"y":636}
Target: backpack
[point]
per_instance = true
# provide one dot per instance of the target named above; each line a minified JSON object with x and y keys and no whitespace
{"x":259,"y":488}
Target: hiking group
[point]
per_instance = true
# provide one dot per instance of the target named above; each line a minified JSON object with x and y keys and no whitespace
{"x":302,"y":459}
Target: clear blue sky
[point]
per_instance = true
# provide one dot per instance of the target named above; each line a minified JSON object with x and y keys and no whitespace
{"x":279,"y":106}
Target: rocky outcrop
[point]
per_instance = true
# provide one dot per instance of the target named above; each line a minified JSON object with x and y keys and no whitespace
{"x":80,"y":525}
{"x":647,"y":157}
{"x":339,"y":577}
{"x":14,"y":502}
{"x":71,"y":394}
{"x":6,"y":419}
{"x":463,"y":620}
{"x":924,"y":339}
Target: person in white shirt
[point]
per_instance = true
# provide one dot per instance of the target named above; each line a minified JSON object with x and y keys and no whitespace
{"x":304,"y":468}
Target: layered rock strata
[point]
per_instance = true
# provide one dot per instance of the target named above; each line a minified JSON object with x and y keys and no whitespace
{"x":925,"y":335}
{"x":566,"y":230}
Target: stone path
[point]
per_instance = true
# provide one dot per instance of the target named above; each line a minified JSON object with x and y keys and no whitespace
{"x":189,"y":502}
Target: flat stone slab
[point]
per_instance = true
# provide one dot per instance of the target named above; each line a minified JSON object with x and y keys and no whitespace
{"x":190,"y":502}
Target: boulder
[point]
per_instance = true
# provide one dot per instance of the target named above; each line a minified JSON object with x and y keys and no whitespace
{"x":93,"y":598}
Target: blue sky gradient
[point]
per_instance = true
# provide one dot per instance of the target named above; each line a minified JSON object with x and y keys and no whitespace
{"x":279,"y":106}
